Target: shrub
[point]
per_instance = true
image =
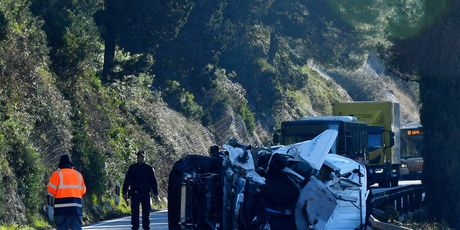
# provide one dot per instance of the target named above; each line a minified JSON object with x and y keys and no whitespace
{"x":248,"y":117}
{"x":25,"y":162}
{"x":181,"y":100}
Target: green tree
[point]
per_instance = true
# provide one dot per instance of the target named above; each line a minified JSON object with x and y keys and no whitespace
{"x":434,"y":56}
{"x":420,"y":41}
{"x":3,"y":26}
{"x":72,"y":36}
{"x":139,"y":26}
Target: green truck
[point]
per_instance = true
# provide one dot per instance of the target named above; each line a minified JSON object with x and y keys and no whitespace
{"x":351,"y":140}
{"x":383,"y":120}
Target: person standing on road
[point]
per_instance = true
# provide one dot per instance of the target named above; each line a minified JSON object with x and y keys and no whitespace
{"x":139,"y":182}
{"x":67,"y":187}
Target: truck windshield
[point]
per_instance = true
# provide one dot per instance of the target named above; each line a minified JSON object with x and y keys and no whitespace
{"x":294,"y":133}
{"x":297,"y":133}
{"x":374,"y":141}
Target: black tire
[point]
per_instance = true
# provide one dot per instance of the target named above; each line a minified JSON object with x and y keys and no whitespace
{"x":384,"y":183}
{"x":394,"y":182}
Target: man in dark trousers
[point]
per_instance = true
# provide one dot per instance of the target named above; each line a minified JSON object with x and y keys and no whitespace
{"x":139,"y":182}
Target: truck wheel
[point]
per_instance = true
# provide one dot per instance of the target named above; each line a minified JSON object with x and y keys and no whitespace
{"x":384,"y":183}
{"x":394,"y":182}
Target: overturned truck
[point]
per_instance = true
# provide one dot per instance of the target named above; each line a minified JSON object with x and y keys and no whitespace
{"x":298,"y":186}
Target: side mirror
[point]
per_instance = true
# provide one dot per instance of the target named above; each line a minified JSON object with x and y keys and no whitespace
{"x":392,"y":139}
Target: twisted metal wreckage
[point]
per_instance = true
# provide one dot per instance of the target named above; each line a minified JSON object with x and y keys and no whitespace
{"x":299,"y":186}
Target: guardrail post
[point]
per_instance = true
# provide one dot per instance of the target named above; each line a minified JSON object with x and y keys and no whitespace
{"x":405,"y":207}
{"x":398,"y":203}
{"x":411,"y":202}
{"x":388,"y":201}
{"x":418,"y":200}
{"x":403,"y":200}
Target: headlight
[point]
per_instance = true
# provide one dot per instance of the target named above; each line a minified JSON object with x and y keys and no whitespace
{"x":403,"y":165}
{"x":378,"y":170}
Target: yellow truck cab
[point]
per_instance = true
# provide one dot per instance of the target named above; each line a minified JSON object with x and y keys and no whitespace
{"x":383,"y":118}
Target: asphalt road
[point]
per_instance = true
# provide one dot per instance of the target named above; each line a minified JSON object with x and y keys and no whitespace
{"x":409,"y":182}
{"x":158,"y":221}
{"x":402,"y":183}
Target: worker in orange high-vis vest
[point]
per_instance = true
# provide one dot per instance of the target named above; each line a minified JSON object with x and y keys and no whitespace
{"x":67,"y":187}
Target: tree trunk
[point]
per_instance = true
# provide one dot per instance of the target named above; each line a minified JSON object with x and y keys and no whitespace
{"x":273,"y":48}
{"x":109,"y":54}
{"x":440,"y":117}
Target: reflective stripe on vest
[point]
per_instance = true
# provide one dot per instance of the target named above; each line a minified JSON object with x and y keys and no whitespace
{"x":52,"y":185}
{"x":62,"y":185}
{"x":67,"y":205}
{"x":70,"y":184}
{"x":70,"y":189}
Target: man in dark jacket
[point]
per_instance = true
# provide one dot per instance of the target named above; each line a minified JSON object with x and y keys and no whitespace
{"x":139,"y":182}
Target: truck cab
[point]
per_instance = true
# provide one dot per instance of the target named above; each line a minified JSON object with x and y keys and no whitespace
{"x":351,"y":141}
{"x":383,"y":119}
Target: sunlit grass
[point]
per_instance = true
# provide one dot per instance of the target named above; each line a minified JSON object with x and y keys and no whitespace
{"x":15,"y":227}
{"x":427,"y":225}
{"x":420,"y":220}
{"x":38,"y":222}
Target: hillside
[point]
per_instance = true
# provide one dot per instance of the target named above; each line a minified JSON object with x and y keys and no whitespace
{"x":78,"y":79}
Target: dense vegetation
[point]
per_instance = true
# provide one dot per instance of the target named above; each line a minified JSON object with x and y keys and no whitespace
{"x":438,"y":67}
{"x":101,"y":79}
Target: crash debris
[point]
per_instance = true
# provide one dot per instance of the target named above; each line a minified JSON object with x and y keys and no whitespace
{"x":298,"y":186}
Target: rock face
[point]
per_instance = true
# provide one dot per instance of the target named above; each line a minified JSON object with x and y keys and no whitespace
{"x":176,"y":131}
{"x":371,"y":83}
{"x":230,"y":125}
{"x":12,"y":209}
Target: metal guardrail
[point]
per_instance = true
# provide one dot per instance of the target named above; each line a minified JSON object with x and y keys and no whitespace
{"x":377,"y":225}
{"x":404,"y":199}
